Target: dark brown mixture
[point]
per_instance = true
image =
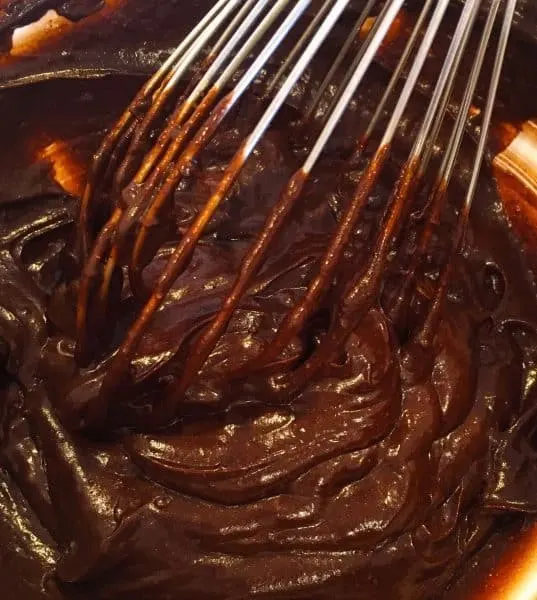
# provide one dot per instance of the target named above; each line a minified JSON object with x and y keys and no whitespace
{"x":384,"y":478}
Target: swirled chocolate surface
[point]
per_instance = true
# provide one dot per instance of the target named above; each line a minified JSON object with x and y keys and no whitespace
{"x":386,"y":477}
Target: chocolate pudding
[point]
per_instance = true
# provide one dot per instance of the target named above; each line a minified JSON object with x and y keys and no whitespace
{"x":392,"y":473}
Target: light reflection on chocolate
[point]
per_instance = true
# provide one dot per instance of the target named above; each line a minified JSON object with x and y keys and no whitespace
{"x":515,"y":170}
{"x":67,"y":172}
{"x":515,"y":577}
{"x":28,"y":39}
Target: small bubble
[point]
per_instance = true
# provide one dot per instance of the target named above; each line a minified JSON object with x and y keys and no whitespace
{"x":162,"y":502}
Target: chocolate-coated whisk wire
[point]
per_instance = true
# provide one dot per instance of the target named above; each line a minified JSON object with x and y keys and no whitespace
{"x":349,"y":42}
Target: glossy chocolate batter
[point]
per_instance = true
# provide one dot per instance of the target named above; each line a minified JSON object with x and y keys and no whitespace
{"x":384,"y":478}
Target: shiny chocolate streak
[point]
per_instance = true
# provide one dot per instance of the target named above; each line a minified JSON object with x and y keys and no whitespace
{"x":380,"y":466}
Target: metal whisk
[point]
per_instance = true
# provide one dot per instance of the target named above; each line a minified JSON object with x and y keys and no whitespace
{"x":227,"y":51}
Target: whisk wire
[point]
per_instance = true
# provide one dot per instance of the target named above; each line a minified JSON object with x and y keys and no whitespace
{"x":366,"y":54}
{"x":349,"y":42}
{"x":396,"y":76}
{"x":299,"y":45}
